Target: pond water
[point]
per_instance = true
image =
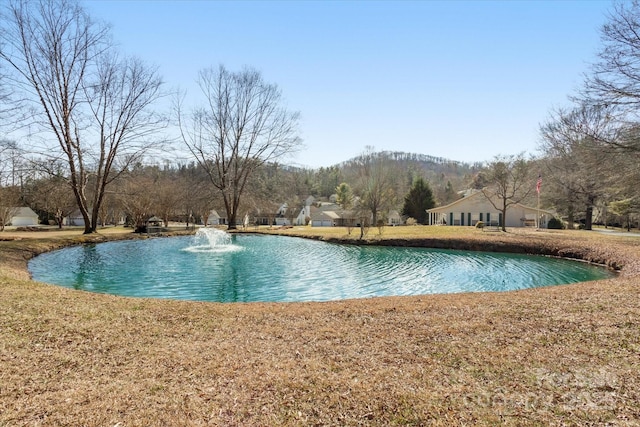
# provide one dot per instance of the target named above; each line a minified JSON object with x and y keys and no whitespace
{"x":215,"y":266}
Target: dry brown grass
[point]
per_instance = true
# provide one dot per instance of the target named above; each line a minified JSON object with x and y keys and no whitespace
{"x":563,"y":355}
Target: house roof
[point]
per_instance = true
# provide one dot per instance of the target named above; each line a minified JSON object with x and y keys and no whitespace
{"x":332,"y":214}
{"x":25,"y":211}
{"x":319,"y":215}
{"x":456,"y":202}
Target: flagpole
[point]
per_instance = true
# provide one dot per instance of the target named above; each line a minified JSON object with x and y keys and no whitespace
{"x":538,"y":213}
{"x":538,"y":186}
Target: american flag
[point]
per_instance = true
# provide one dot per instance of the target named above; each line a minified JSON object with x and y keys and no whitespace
{"x":539,"y":184}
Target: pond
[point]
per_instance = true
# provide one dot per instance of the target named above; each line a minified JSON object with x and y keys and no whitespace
{"x":215,"y":266}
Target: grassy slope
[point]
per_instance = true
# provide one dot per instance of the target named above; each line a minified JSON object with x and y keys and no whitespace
{"x":564,"y":355}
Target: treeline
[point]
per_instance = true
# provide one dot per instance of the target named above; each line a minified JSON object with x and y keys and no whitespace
{"x":182,"y":192}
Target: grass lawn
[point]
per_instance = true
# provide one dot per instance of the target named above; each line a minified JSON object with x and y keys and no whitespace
{"x":561,"y":355}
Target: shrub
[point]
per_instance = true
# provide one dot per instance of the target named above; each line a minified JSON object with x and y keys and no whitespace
{"x":411,"y":221}
{"x":555,"y":224}
{"x":479,"y":224}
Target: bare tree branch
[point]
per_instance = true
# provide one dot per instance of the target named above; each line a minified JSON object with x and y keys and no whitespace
{"x":241,"y":127}
{"x":95,"y":105}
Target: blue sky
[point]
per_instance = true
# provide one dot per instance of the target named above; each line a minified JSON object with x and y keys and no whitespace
{"x":465,"y":80}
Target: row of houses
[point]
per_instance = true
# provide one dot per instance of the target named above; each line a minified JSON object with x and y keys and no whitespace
{"x":26,"y":217}
{"x":470,"y":209}
{"x":316,"y":214}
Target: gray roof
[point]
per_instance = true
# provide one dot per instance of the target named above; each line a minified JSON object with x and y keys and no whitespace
{"x":25,"y":211}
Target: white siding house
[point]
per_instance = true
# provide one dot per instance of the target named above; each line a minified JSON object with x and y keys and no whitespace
{"x":394,"y":218}
{"x":476,"y":207}
{"x":24,"y":216}
{"x":213,"y":218}
{"x":74,"y":219}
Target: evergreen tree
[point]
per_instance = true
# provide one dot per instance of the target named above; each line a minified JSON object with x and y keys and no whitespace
{"x":345,"y":195}
{"x":419,"y":199}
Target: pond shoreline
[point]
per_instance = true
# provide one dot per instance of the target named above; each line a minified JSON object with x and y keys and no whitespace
{"x":303,"y":270}
{"x":482,"y":242}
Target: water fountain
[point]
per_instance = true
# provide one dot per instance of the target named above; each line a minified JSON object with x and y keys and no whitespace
{"x":211,"y":240}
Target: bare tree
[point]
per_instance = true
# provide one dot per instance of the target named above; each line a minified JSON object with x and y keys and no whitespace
{"x":509,"y":183}
{"x":611,"y":93}
{"x":242,"y":127}
{"x":375,"y":184}
{"x":54,"y":197}
{"x":96,"y":105}
{"x":166,"y":194}
{"x":9,"y":199}
{"x":8,"y":104}
{"x":579,"y":161}
{"x":110,"y":210}
{"x":8,"y":158}
{"x":196,"y":198}
{"x":137,"y":200}
{"x":615,"y":79}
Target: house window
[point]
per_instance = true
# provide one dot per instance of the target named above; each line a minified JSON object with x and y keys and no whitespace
{"x":480,"y":216}
{"x":488,"y":218}
{"x":469,"y":219}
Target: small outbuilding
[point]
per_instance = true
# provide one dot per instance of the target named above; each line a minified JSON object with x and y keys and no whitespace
{"x":24,"y":217}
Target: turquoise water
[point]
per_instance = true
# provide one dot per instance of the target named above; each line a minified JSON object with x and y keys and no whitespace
{"x":276,"y":268}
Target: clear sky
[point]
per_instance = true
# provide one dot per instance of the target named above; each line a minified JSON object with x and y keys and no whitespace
{"x":465,"y":80}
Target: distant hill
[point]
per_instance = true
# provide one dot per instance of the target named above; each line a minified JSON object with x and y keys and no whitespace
{"x":437,"y":170}
{"x":445,"y":176}
{"x":424,"y":159}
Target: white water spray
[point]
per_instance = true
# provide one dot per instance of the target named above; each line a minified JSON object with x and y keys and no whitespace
{"x":212,"y":240}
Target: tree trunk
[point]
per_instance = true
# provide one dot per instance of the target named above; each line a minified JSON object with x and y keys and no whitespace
{"x":588,"y":221}
{"x":570,"y":219}
{"x":505,"y":202}
{"x":504,"y":217}
{"x":59,"y":218}
{"x":87,"y":221}
{"x":232,"y":220}
{"x":94,"y":221}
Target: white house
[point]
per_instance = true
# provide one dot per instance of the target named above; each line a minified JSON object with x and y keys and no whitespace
{"x":214,"y":218}
{"x":24,"y":216}
{"x":305,"y":212}
{"x":281,"y":217}
{"x":476,"y":207}
{"x":75,"y":218}
{"x":394,"y":218}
